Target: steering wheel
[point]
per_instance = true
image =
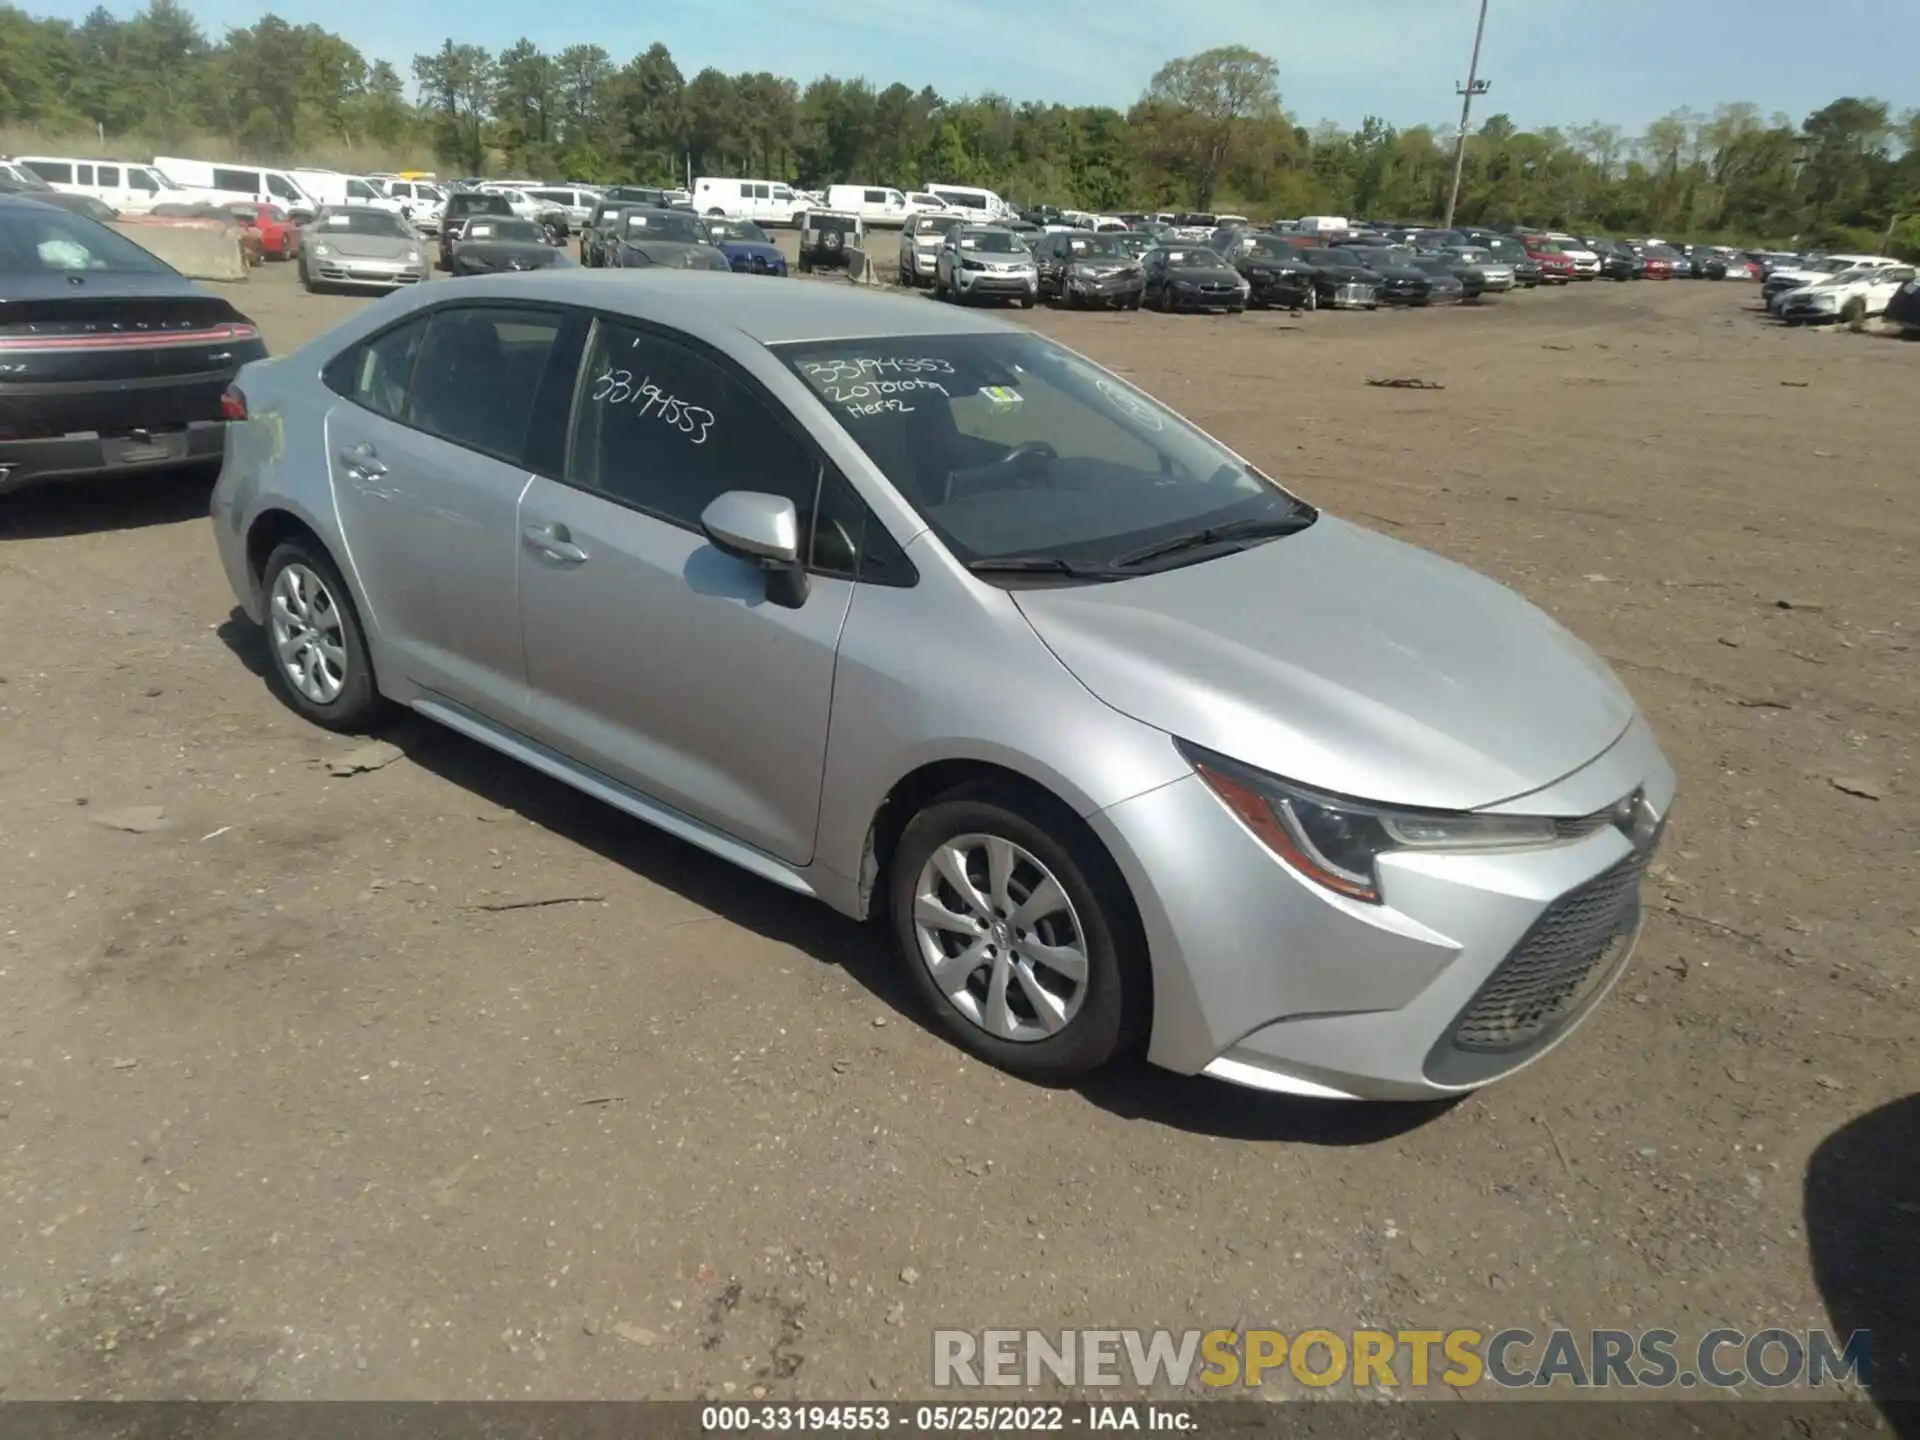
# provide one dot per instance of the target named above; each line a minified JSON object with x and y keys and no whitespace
{"x":1029,"y":458}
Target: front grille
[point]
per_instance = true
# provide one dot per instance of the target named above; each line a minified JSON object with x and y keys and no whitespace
{"x":1542,"y":982}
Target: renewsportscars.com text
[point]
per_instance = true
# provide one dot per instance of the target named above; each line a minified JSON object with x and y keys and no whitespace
{"x":1460,"y":1359}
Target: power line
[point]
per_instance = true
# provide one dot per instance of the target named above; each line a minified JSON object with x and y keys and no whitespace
{"x":1474,"y":86}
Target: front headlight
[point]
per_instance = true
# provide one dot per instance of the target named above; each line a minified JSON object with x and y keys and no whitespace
{"x":413,"y":257}
{"x":1336,"y":842}
{"x":322,"y":248}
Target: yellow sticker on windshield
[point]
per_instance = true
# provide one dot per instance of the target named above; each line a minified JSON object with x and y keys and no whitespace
{"x":1001,"y":394}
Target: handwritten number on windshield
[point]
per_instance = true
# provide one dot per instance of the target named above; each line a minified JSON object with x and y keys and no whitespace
{"x":617,"y":387}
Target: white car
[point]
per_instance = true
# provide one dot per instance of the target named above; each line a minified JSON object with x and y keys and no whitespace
{"x":920,"y":242}
{"x":518,"y":201}
{"x":1586,"y":264}
{"x":1784,"y":281}
{"x":1850,"y":295}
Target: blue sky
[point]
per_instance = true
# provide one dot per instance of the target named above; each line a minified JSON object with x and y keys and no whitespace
{"x":1550,"y":61}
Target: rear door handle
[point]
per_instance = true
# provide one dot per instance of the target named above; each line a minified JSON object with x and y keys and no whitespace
{"x":555,"y":542}
{"x":360,"y":460}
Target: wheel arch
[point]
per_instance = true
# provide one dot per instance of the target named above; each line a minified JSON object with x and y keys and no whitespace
{"x":1042,"y":802}
{"x":273,"y":526}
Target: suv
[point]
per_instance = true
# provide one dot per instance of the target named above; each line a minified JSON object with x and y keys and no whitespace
{"x":825,"y":238}
{"x":462,"y":206}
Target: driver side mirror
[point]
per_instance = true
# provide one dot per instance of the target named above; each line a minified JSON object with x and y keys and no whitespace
{"x":763,"y":530}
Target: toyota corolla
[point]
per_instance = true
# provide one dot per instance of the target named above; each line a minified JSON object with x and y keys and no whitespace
{"x":1128,"y":747}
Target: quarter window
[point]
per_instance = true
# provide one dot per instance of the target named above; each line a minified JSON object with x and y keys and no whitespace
{"x":246,"y":182}
{"x":375,"y":375}
{"x":83,"y":174}
{"x":478,"y":375}
{"x":54,"y":172}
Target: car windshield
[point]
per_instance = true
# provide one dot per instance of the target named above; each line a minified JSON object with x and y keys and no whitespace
{"x":505,"y":230}
{"x":739,"y":230}
{"x":1860,"y":272}
{"x":40,"y":240}
{"x":1267,"y":248}
{"x":665,"y":226}
{"x":935,"y":224}
{"x":1338,"y":257}
{"x":1200,"y":259}
{"x":991,"y":242}
{"x":1098,"y":247}
{"x":1663,"y":252}
{"x":1545,"y":247}
{"x":1009,"y":445}
{"x":364,"y":222}
{"x":1474,"y":255}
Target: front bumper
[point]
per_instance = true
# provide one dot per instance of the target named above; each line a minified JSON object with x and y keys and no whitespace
{"x":1206,"y":296}
{"x":1264,"y":979}
{"x":1804,"y":310}
{"x":1011,"y":283}
{"x":73,"y":457}
{"x":352,"y":270}
{"x":1104,"y":290}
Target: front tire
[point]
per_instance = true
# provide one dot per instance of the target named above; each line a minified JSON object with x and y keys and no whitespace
{"x":1018,"y":934}
{"x":317,"y":653}
{"x":1854,"y":311}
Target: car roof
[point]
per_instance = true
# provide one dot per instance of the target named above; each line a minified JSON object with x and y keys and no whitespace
{"x":768,"y":314}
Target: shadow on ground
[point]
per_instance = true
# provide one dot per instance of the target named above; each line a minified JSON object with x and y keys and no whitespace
{"x":1136,"y":1092}
{"x":110,"y":502}
{"x":1862,"y":1198}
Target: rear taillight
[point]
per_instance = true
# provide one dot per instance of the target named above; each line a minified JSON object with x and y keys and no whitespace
{"x":233,"y":404}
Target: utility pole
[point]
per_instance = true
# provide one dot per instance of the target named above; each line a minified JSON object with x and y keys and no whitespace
{"x":1474,"y":86}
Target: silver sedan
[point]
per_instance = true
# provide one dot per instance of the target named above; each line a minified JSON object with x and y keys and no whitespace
{"x":1126,"y":746}
{"x":355,"y":247}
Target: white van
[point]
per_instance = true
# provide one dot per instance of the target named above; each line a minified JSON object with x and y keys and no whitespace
{"x":769,"y":202}
{"x":874,"y":204}
{"x":262,"y":184}
{"x":575,"y":201}
{"x":1324,"y":225}
{"x":133,"y":188}
{"x":983,"y":206}
{"x":335,"y":187}
{"x":421,"y":201}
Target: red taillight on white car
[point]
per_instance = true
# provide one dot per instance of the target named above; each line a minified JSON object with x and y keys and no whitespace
{"x":233,"y":403}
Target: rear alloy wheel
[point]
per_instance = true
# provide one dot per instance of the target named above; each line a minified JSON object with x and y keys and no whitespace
{"x":1021,"y":944}
{"x":319,"y":661}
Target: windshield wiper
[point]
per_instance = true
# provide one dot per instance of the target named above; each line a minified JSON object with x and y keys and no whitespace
{"x":1043,"y":565}
{"x":1261,"y":527}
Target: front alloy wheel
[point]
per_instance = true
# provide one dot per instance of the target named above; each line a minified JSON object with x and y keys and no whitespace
{"x":1019,"y":934}
{"x":1000,"y":938}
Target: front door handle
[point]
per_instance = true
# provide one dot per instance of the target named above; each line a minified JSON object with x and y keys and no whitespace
{"x":555,"y":542}
{"x":360,"y":460}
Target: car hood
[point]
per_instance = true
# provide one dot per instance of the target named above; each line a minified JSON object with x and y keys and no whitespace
{"x":675,"y":254}
{"x":509,"y":254}
{"x":1204,"y":274}
{"x":751,"y":249}
{"x":1347,"y":661}
{"x":366,"y":247}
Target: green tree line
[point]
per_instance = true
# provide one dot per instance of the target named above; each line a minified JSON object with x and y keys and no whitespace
{"x":1209,"y":132}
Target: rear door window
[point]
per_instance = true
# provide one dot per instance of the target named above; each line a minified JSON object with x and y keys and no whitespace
{"x":108,"y":175}
{"x":54,"y":172}
{"x":478,"y":374}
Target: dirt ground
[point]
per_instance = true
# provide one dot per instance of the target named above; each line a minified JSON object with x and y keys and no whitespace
{"x":287,"y":1112}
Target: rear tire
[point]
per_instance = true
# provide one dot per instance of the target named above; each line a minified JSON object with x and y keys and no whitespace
{"x":1009,"y":1008}
{"x":317,"y":660}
